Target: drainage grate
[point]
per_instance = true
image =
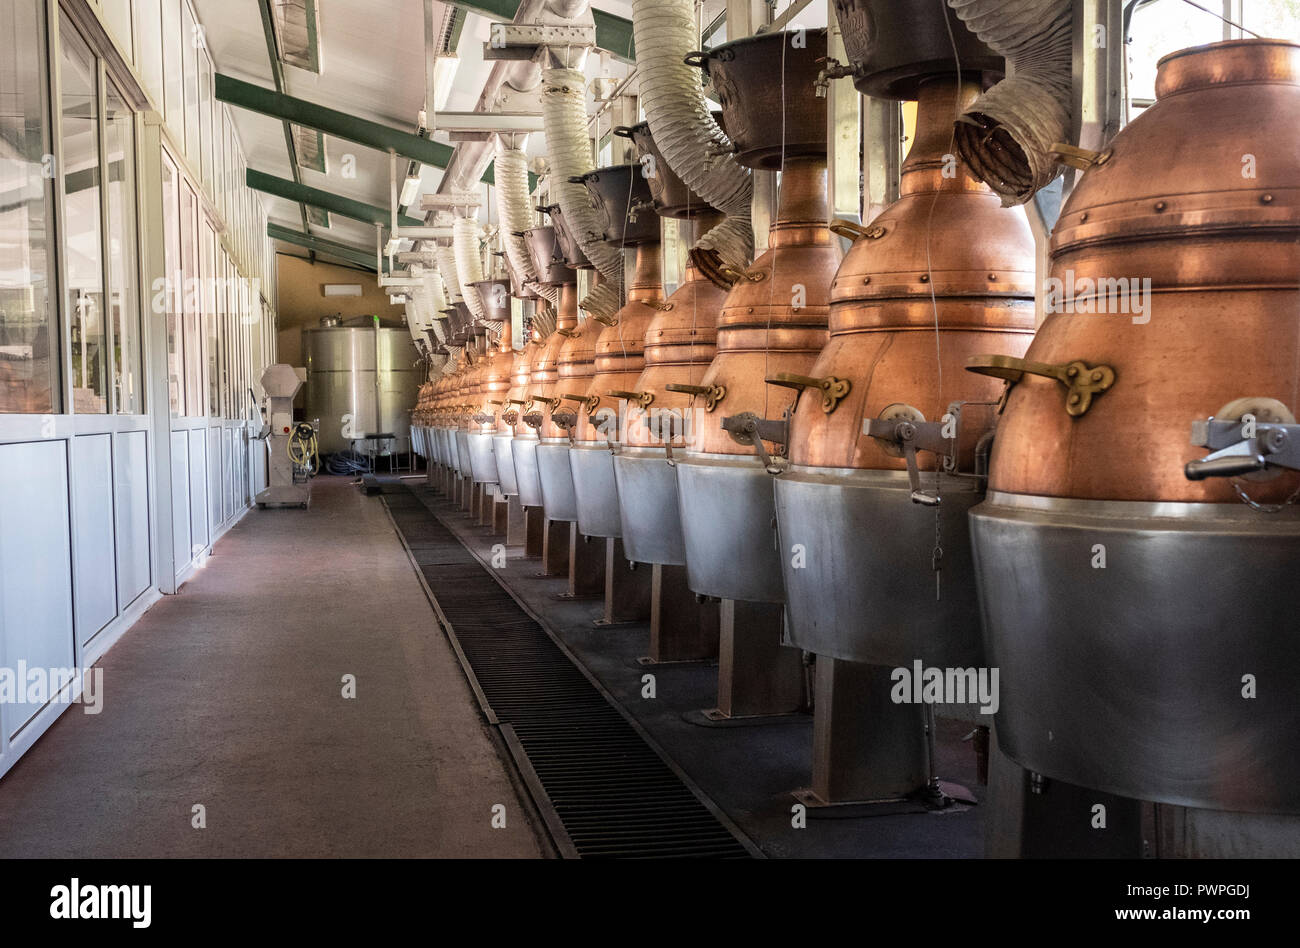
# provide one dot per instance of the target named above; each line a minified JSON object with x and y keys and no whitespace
{"x":603,"y":790}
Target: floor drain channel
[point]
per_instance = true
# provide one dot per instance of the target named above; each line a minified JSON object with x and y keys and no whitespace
{"x":603,"y":791}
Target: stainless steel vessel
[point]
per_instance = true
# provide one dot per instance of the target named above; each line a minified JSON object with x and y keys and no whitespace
{"x":360,"y":380}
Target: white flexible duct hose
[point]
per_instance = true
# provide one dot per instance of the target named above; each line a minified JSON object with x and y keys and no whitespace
{"x":564,"y":114}
{"x":513,"y":210}
{"x":436,"y":301}
{"x":1005,"y":135}
{"x":684,"y":130}
{"x":415,"y":326}
{"x":466,"y":243}
{"x":453,"y":359}
{"x":450,"y":277}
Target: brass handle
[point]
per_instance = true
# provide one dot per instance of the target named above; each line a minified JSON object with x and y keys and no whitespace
{"x":568,"y":333}
{"x":833,"y":390}
{"x":1081,"y":381}
{"x":575,"y":398}
{"x":546,"y":401}
{"x":523,"y":402}
{"x":493,"y":401}
{"x":1081,"y":158}
{"x":622,"y":131}
{"x":641,"y":398}
{"x":604,"y":320}
{"x":854,"y":231}
{"x":695,"y":59}
{"x":712,"y":394}
{"x":734,"y":275}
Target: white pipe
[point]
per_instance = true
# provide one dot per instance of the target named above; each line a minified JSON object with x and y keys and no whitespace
{"x":684,"y":130}
{"x":515,"y":214}
{"x":450,"y":278}
{"x":468,"y":248}
{"x":564,"y":112}
{"x":1006,"y":134}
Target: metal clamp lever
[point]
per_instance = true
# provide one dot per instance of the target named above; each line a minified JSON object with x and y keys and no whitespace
{"x":1081,"y":380}
{"x":592,"y":402}
{"x":483,"y":418}
{"x":832,"y":389}
{"x":751,"y":430}
{"x":1274,"y":445}
{"x":640,"y":398}
{"x":712,"y":394}
{"x":913,"y":436}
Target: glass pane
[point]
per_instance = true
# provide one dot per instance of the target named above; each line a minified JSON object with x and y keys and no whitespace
{"x":190,"y":302}
{"x":28,"y":350}
{"x":1276,"y":18}
{"x":83,"y":240}
{"x":190,"y":42}
{"x":210,"y":295}
{"x":205,"y":121}
{"x":123,"y":276}
{"x":173,"y":74}
{"x":175,"y":284}
{"x":117,"y":13}
{"x":148,"y":36}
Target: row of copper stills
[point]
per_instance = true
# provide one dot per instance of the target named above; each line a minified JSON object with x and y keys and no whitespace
{"x":861,"y":448}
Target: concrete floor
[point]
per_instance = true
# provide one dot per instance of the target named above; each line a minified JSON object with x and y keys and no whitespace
{"x":228,"y":695}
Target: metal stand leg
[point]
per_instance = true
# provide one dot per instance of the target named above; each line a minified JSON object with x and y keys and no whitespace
{"x":682,"y":629}
{"x":627,"y":590}
{"x":586,"y":566}
{"x":516,"y":522}
{"x":500,"y":515}
{"x":534,"y":530}
{"x":866,"y":748}
{"x":757,"y":675}
{"x":1028,"y":816}
{"x":555,"y":548}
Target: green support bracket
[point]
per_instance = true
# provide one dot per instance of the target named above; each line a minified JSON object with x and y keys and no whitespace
{"x":326,"y":200}
{"x":333,"y":248}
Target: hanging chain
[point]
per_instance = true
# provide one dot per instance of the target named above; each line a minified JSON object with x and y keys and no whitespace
{"x":936,"y":555}
{"x":1264,"y":508}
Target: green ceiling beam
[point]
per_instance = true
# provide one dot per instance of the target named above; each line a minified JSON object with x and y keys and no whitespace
{"x":325,"y":200}
{"x":613,"y":33}
{"x":333,"y":248}
{"x":246,"y":95}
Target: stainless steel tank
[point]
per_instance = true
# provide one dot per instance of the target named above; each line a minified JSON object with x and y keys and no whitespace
{"x":360,"y":380}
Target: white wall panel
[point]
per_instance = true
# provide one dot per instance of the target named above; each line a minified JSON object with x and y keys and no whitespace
{"x":131,"y":486}
{"x":181,"y":499}
{"x":35,"y":564}
{"x":198,"y":489}
{"x":92,"y":484}
{"x":215,"y":486}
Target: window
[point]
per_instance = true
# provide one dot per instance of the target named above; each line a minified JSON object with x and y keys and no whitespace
{"x":117,"y":13}
{"x":205,"y":121}
{"x":148,"y":39}
{"x":190,"y":302}
{"x":123,"y":276}
{"x":191,"y":51}
{"x":174,"y":285}
{"x":83,"y":243}
{"x":173,"y":69}
{"x":28,"y":342}
{"x":208,"y":263}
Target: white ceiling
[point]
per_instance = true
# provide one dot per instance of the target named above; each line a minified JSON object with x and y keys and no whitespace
{"x":372,"y":67}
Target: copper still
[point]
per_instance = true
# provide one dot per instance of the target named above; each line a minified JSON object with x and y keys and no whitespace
{"x":495,"y":378}
{"x":552,"y":450}
{"x":773,"y":320}
{"x":1159,"y":563}
{"x":623,"y":193}
{"x":680,"y":343}
{"x":884,"y":435}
